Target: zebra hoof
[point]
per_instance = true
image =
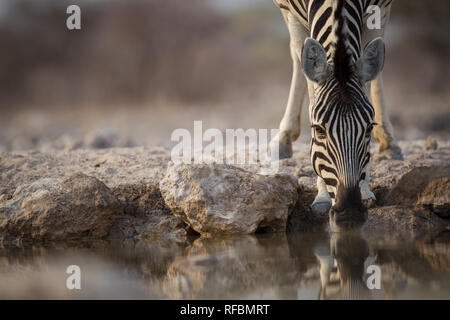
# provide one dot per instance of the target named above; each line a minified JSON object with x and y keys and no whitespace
{"x":370,"y":203}
{"x":285,"y":151}
{"x":281,"y":147}
{"x":283,"y":143}
{"x":321,"y":207}
{"x":392,"y":153}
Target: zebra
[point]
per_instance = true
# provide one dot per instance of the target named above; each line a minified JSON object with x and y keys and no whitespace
{"x":343,"y":267}
{"x":335,"y":58}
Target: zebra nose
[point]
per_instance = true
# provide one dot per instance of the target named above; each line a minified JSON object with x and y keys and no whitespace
{"x":349,"y":211}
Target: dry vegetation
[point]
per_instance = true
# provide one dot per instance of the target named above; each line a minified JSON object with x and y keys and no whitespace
{"x":132,"y":51}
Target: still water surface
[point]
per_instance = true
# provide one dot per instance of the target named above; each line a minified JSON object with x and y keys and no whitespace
{"x":276,"y":266}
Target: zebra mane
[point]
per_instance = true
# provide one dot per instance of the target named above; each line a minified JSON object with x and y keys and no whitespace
{"x":343,"y":64}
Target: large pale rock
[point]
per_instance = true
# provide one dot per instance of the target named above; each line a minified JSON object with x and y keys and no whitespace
{"x":77,"y":207}
{"x":424,"y":188}
{"x":225,"y":199}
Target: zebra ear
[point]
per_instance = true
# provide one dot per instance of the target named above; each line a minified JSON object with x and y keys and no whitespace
{"x":371,"y":63}
{"x":314,"y":61}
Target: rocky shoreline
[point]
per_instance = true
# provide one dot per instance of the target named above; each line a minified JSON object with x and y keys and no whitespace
{"x":133,"y":193}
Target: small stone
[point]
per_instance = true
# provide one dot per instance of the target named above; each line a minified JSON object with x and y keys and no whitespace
{"x":431,"y":144}
{"x":101,"y":139}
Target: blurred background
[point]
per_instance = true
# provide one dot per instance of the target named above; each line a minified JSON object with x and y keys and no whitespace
{"x":138,"y":69}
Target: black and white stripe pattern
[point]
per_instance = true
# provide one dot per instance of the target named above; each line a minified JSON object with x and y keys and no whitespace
{"x":342,"y":117}
{"x":341,"y":134}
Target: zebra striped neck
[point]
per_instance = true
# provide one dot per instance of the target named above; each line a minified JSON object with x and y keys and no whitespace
{"x":323,"y":17}
{"x":343,"y":58}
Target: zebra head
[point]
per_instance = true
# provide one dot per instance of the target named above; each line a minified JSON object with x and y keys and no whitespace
{"x":342,"y":118}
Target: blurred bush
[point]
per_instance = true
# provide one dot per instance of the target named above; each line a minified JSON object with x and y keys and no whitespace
{"x":135,"y":51}
{"x":129,"y":52}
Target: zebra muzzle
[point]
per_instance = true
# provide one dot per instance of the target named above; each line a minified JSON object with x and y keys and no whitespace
{"x":349,"y":211}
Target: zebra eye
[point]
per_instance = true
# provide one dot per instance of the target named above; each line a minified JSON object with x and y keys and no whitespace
{"x":369,"y":130}
{"x":320,"y":132}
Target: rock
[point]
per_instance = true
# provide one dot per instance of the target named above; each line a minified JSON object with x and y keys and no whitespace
{"x":100,"y":139}
{"x":385,"y":174}
{"x":146,"y":215}
{"x":67,"y":142}
{"x":424,"y":188}
{"x":400,"y":219}
{"x":302,"y":218}
{"x":22,"y":142}
{"x":133,"y":176}
{"x":106,"y":138}
{"x":436,"y":197}
{"x":57,"y":209}
{"x":431,"y":144}
{"x":220,"y":198}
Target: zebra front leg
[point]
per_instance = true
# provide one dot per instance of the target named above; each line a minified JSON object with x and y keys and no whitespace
{"x":322,"y":203}
{"x":383,"y":132}
{"x":290,"y":124}
{"x":326,"y":261}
